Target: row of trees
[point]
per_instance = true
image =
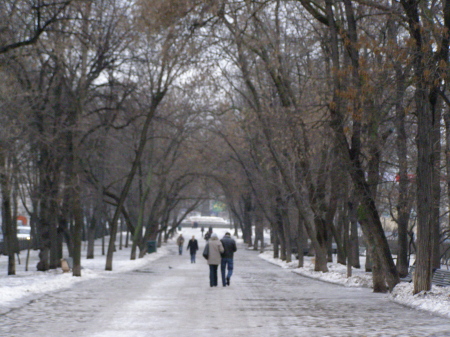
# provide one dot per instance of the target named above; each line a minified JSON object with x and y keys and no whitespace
{"x":305,"y":116}
{"x":342,"y":107}
{"x":86,"y":136}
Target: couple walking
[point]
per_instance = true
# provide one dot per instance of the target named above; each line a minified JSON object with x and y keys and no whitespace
{"x":220,"y":252}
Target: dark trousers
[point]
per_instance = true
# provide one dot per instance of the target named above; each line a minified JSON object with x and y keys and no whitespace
{"x":213,"y":275}
{"x":226,"y":262}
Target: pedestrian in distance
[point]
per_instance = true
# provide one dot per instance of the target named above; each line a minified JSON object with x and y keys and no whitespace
{"x":203,"y":230}
{"x":226,"y":263}
{"x":215,"y":249}
{"x":192,"y":247}
{"x":180,"y":243}
{"x":207,"y":235}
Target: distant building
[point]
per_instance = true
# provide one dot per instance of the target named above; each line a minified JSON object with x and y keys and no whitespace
{"x":206,"y":221}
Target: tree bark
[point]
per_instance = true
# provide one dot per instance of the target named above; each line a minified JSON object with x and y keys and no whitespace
{"x":403,"y":202}
{"x":300,"y":242}
{"x":428,"y":78}
{"x":247,"y":218}
{"x":9,"y":226}
{"x":91,"y":231}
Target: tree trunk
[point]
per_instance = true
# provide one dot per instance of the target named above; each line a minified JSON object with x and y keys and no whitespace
{"x":403,"y":202}
{"x":436,"y":183}
{"x":351,"y":154}
{"x":426,"y":101}
{"x":286,"y":227}
{"x":447,"y":152}
{"x":425,"y":170}
{"x":282,"y":242}
{"x":9,"y":226}
{"x":55,"y":251}
{"x":259,"y":231}
{"x":247,"y":219}
{"x":343,"y":231}
{"x":378,"y":276}
{"x":300,"y":242}
{"x":77,"y":228}
{"x":330,"y":216}
{"x":91,"y":236}
{"x":354,"y":244}
{"x":347,"y":243}
{"x":275,"y":242}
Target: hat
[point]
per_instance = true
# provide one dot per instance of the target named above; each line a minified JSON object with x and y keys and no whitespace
{"x":214,"y":235}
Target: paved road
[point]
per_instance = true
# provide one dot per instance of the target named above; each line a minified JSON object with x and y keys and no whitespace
{"x":172,"y":297}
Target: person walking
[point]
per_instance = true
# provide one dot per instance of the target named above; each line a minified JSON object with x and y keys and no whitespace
{"x":180,"y":242}
{"x":226,"y":263}
{"x":215,"y":248}
{"x":193,"y":247}
{"x":207,"y":235}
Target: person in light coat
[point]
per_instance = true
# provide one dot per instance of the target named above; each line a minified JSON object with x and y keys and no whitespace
{"x":214,"y":258}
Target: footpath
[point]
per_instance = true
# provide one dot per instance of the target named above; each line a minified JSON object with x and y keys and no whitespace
{"x":171,"y":297}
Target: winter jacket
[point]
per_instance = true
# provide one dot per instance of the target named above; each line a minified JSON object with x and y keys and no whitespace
{"x":215,"y":249}
{"x":229,"y":246}
{"x":192,"y":246}
{"x":180,"y":241}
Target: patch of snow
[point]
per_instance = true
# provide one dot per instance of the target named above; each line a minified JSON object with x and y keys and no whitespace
{"x":24,"y":283}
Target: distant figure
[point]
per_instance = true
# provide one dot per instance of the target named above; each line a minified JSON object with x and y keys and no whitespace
{"x":208,"y":233}
{"x":214,"y":250}
{"x":180,"y":243}
{"x":229,"y":246}
{"x":195,"y":225}
{"x":193,"y":247}
{"x":207,"y":236}
{"x":203,"y":229}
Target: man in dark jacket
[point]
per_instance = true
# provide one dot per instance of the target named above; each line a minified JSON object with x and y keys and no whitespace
{"x":229,"y":246}
{"x":193,"y":247}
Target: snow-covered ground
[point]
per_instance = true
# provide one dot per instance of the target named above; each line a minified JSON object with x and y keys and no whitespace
{"x":25,"y":283}
{"x":436,"y":301}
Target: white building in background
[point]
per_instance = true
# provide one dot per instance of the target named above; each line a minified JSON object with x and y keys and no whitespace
{"x":206,"y":221}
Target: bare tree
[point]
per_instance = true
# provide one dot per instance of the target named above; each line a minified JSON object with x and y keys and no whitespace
{"x":429,"y":80}
{"x":165,"y":48}
{"x":23,"y":22}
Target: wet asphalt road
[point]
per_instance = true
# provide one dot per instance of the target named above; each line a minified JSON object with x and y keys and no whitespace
{"x":172,"y":297}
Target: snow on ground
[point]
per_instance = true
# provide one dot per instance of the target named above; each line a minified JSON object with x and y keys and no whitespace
{"x":24,"y":283}
{"x":436,"y":301}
